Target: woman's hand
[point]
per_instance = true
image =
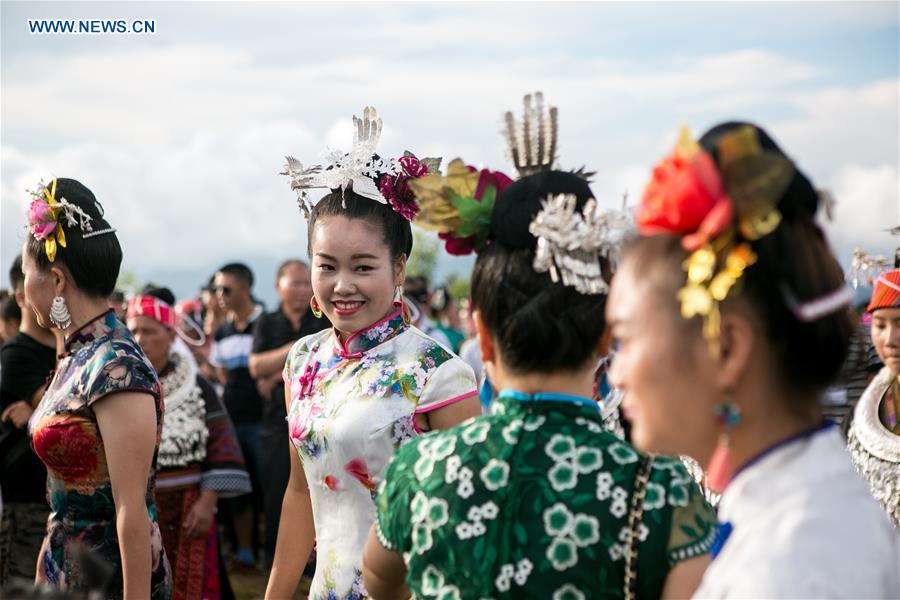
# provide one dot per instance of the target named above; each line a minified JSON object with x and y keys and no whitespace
{"x":202,"y":514}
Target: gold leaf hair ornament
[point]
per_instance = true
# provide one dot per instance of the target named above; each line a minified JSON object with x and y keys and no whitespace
{"x":716,"y":210}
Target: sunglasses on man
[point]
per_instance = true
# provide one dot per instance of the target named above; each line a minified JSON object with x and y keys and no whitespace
{"x":223,"y":289}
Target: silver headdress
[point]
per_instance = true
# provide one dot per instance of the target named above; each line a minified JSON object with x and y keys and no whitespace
{"x":356,"y":169}
{"x":570,"y":244}
{"x":865,"y":268}
{"x":531,"y":142}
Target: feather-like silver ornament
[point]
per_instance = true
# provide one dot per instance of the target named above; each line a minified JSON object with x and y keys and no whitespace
{"x":531,"y":142}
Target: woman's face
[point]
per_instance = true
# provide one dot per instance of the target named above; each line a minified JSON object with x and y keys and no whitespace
{"x":886,"y":337}
{"x":659,"y":363}
{"x":154,"y":337}
{"x":353,"y":276}
{"x":39,"y":289}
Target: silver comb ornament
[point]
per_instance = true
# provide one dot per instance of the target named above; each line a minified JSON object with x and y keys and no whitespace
{"x":865,"y":268}
{"x":531,"y":142}
{"x":570,"y":243}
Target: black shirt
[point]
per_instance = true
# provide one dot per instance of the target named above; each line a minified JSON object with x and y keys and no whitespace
{"x":25,"y":365}
{"x":231,"y":351}
{"x":274,"y":330}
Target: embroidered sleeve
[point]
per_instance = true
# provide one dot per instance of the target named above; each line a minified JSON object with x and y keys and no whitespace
{"x":394,"y":517}
{"x":223,"y":469}
{"x":451,"y":382}
{"x":123,"y":372}
{"x":693,"y":519}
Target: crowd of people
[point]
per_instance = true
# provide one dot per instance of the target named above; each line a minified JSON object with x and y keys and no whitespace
{"x":674,"y":401}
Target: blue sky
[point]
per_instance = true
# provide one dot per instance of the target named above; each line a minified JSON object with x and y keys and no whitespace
{"x":181,"y":134}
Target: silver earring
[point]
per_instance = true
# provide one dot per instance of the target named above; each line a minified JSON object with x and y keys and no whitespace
{"x":59,"y":313}
{"x":398,"y":295}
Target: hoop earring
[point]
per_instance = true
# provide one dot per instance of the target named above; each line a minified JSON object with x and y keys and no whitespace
{"x":314,"y":307}
{"x":400,"y":303}
{"x":59,"y":313}
{"x":721,"y":468}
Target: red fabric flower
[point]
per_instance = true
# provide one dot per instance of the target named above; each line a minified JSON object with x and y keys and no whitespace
{"x":396,"y":190}
{"x":68,"y":450}
{"x":685,"y":196}
{"x":458,"y":246}
{"x":487,"y":178}
{"x":331,"y":482}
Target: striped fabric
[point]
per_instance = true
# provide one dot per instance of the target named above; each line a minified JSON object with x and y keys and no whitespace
{"x":887,"y":291}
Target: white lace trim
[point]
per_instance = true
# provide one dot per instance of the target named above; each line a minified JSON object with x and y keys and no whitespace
{"x":184,"y":433}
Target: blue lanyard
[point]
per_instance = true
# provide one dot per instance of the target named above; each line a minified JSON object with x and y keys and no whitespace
{"x":541,"y":397}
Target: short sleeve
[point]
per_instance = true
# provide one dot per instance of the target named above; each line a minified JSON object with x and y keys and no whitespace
{"x":261,"y":335}
{"x":292,"y":358}
{"x":693,"y":519}
{"x":21,"y":375}
{"x":451,"y":382}
{"x":123,"y":373}
{"x":393,"y":520}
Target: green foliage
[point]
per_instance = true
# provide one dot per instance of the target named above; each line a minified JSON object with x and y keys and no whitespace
{"x":424,"y":255}
{"x":128,"y":282}
{"x":459,"y":286}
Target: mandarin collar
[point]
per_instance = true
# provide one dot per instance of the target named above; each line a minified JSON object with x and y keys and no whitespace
{"x":374,"y":335}
{"x":96,"y":328}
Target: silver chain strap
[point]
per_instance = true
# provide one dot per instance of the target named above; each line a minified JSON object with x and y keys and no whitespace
{"x":634,"y":521}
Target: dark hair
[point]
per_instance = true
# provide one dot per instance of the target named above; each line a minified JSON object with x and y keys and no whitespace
{"x":289,"y":263}
{"x":540,"y":326}
{"x":16,"y":277}
{"x":396,"y":231}
{"x":93,"y":262}
{"x":417,"y":288}
{"x":795,"y":259}
{"x":163,"y":293}
{"x":238,"y":270}
{"x":9,"y":309}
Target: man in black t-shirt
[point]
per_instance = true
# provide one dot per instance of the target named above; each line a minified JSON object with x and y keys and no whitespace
{"x":273,"y":337}
{"x":230,"y":353}
{"x":26,"y":361}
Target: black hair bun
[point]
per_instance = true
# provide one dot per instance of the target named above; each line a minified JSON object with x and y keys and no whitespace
{"x":800,"y":198}
{"x":78,"y":194}
{"x":521,"y":201}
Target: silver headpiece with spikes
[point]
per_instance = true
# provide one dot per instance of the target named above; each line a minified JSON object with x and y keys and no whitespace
{"x":570,"y":243}
{"x":531,"y":142}
{"x":865,"y":268}
{"x":355,"y":169}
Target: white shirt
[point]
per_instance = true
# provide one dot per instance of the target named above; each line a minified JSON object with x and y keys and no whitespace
{"x":804,"y":526}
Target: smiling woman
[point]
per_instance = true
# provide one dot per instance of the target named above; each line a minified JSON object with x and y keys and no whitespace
{"x":356,"y":392}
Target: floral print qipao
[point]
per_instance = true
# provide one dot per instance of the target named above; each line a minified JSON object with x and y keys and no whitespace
{"x":101,"y":358}
{"x":352,"y":406}
{"x":533,"y":501}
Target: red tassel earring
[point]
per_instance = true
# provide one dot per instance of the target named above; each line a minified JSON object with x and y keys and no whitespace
{"x":721,"y":468}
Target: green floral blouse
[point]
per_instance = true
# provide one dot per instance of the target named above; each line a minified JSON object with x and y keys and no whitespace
{"x":533,"y":501}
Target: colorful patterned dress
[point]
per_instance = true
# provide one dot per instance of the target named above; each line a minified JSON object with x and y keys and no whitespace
{"x":352,"y":407}
{"x":101,"y":358}
{"x":533,"y":501}
{"x":199,"y":451}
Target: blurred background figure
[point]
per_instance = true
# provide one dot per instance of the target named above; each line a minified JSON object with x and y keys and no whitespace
{"x":27,"y":358}
{"x":418,"y":298}
{"x":445,"y":316}
{"x":199,"y":457}
{"x":230,"y":354}
{"x":274,"y":335}
{"x":10,"y":316}
{"x":117,"y":303}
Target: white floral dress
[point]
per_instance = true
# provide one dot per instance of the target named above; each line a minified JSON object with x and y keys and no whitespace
{"x":351,"y":407}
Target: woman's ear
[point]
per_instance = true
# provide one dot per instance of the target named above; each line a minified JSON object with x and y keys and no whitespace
{"x":400,"y":270}
{"x":60,"y":280}
{"x":737,"y":338}
{"x":485,"y":340}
